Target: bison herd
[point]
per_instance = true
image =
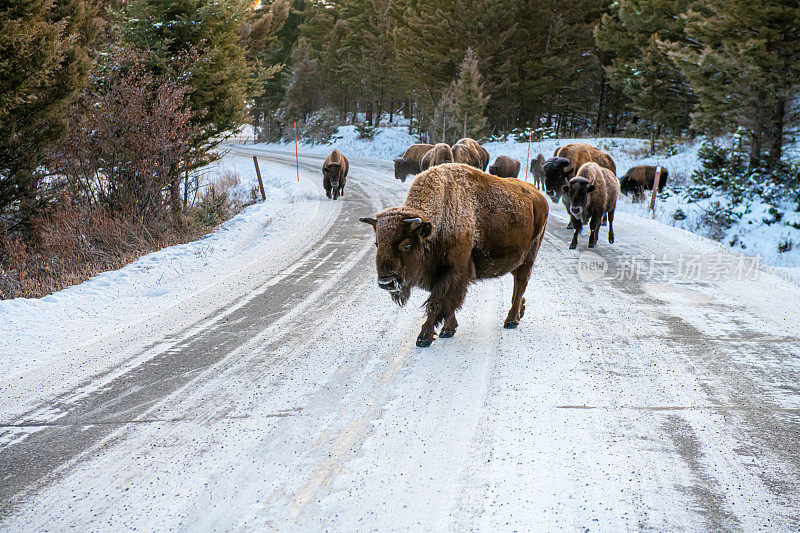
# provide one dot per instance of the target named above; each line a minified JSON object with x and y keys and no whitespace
{"x":460,"y":224}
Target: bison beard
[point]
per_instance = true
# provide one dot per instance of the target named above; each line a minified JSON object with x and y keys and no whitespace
{"x":458,"y":225}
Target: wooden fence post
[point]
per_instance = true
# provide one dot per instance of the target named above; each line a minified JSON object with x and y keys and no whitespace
{"x":656,"y":181}
{"x":260,"y":183}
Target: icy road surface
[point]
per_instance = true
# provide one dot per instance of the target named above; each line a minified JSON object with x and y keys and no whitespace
{"x":292,"y":397}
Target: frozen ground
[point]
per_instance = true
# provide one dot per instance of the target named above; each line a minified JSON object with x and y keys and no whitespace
{"x":650,"y":386}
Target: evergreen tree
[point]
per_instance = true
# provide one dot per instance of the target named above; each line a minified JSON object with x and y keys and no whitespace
{"x":173,"y":31}
{"x":638,"y":64}
{"x":464,"y":103}
{"x":743,"y":61}
{"x":45,"y":63}
{"x":301,"y":83}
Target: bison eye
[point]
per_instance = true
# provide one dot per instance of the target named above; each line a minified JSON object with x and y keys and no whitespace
{"x":406,"y":247}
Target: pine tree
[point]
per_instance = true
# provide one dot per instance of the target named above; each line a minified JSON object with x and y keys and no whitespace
{"x":46,"y":60}
{"x":638,"y":64}
{"x":301,"y":83}
{"x":465,"y":102}
{"x":743,"y":61}
{"x":209,"y":32}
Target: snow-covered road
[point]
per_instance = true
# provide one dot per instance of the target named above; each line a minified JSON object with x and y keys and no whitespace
{"x":663,"y":395}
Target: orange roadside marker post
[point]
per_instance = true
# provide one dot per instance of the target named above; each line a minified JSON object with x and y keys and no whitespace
{"x":296,"y":154}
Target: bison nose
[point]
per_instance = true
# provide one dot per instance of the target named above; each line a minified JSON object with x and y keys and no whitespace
{"x":389,"y":284}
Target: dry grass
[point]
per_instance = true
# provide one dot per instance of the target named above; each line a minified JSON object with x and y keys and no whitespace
{"x":71,"y":244}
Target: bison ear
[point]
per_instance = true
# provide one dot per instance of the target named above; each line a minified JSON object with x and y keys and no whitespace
{"x":398,"y":159}
{"x":565,"y":188}
{"x":590,"y":188}
{"x":540,"y":159}
{"x":369,"y":220}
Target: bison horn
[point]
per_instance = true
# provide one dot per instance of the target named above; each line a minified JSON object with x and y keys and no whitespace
{"x":415,"y":222}
{"x":368,"y":220}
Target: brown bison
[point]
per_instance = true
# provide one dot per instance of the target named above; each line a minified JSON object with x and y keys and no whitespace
{"x":334,"y":172}
{"x":467,"y":155}
{"x":566,"y":161}
{"x":438,"y":155}
{"x":482,"y":153}
{"x":592,"y":195}
{"x":537,"y":171}
{"x":505,"y":167}
{"x":641,"y":178}
{"x":408,"y":163}
{"x":456,"y":226}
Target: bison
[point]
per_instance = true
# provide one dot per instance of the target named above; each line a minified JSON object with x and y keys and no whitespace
{"x":537,"y":171}
{"x":334,"y":172}
{"x":641,"y":178}
{"x":438,"y":155}
{"x":482,"y":153}
{"x":408,"y":163}
{"x":457,"y":225}
{"x":592,"y":195}
{"x":505,"y":167}
{"x":560,"y":168}
{"x":467,"y":155}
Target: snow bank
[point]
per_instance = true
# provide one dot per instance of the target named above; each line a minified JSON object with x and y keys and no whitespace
{"x":32,"y":330}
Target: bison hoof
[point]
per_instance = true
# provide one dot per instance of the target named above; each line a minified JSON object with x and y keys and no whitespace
{"x":511,"y":325}
{"x":591,"y":245}
{"x":572,"y":246}
{"x":423,"y":343}
{"x":570,"y":226}
{"x":611,"y":240}
{"x":447,"y":333}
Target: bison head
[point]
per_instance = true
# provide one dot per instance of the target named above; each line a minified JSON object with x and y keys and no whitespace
{"x":577,"y":190}
{"x":331,"y":171}
{"x":400,"y":236}
{"x":628,"y":185}
{"x":401,"y":168}
{"x":557,"y":172}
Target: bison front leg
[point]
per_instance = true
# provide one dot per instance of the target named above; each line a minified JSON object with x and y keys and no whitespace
{"x":578,"y":225}
{"x":594,"y":230}
{"x":446,"y":297}
{"x":449,"y":327}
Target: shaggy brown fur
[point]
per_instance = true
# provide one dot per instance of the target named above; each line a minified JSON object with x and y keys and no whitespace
{"x":458,"y":225}
{"x":408,"y":163}
{"x":467,"y":155}
{"x":564,"y":164}
{"x":334,"y":172}
{"x":482,"y":153}
{"x":505,"y":167}
{"x":639,"y":179}
{"x":438,"y":155}
{"x":593,"y":195}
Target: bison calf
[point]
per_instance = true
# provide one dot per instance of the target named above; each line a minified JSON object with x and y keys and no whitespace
{"x":505,"y":167}
{"x":592,"y":195}
{"x":537,"y":171}
{"x":641,"y":178}
{"x":334,"y":174}
{"x":408,"y":163}
{"x":458,"y":225}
